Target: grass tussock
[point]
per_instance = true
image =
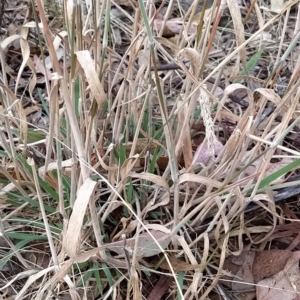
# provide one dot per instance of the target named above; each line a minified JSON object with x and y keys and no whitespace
{"x":136,"y":141}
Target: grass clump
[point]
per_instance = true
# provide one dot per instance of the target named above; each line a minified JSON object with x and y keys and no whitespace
{"x":134,"y":141}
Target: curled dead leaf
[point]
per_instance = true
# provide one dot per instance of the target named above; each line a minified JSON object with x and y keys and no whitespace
{"x":204,"y":154}
{"x":147,"y":247}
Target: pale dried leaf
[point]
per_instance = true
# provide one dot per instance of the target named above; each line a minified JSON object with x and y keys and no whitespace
{"x":188,"y":177}
{"x":59,"y":54}
{"x":53,"y":166}
{"x":32,"y":24}
{"x":31,"y":109}
{"x":70,"y":12}
{"x":88,"y":65}
{"x":238,"y":27}
{"x":73,"y":235}
{"x":39,"y":66}
{"x":7,"y":41}
{"x":57,"y":40}
{"x":127,"y":228}
{"x":146,"y":246}
{"x":151,"y":177}
{"x":277,"y":5}
{"x":151,"y":205}
{"x":184,"y":142}
{"x":269,"y":94}
{"x":25,"y":54}
{"x":193,"y":56}
{"x":31,"y":280}
{"x":168,"y":43}
{"x":33,"y":79}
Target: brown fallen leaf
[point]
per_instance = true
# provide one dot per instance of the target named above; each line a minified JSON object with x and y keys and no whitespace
{"x":204,"y":154}
{"x":283,"y":285}
{"x":160,"y":287}
{"x":250,"y":267}
{"x":178,"y":265}
{"x":241,"y":267}
{"x":268,"y":263}
{"x":141,"y":146}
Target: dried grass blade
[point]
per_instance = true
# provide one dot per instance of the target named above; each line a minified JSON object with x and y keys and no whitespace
{"x":42,"y":208}
{"x":25,"y":54}
{"x":188,"y":177}
{"x":54,"y":106}
{"x":151,"y":177}
{"x":65,"y":93}
{"x":253,"y":37}
{"x":87,"y":63}
{"x":73,"y":234}
{"x":31,"y":280}
{"x":238,"y":28}
{"x":184,"y":143}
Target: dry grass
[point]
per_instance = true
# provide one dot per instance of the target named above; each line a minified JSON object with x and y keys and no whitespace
{"x":109,"y":195}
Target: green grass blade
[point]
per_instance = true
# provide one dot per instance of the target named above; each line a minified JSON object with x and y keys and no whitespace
{"x":251,"y":64}
{"x":44,"y":102}
{"x":98,"y":279}
{"x":281,"y":172}
{"x":26,"y":237}
{"x":57,"y":229}
{"x":76,"y":97}
{"x":32,"y":202}
{"x":274,"y":176}
{"x":83,"y":279}
{"x":180,"y":282}
{"x":6,"y":258}
{"x":108,"y":275}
